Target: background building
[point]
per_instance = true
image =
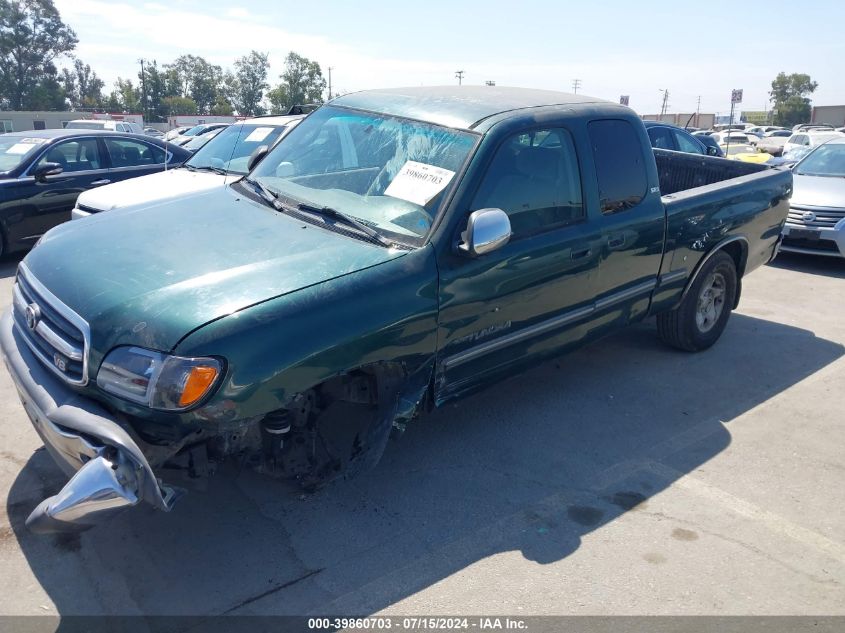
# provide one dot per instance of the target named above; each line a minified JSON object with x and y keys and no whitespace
{"x":20,"y":121}
{"x":700,"y":120}
{"x":23,"y":120}
{"x":831,"y":115}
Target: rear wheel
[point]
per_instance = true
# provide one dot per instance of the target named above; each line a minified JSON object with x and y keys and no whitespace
{"x":700,"y":319}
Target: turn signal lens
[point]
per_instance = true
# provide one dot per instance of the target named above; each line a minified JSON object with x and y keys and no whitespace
{"x":198,"y":381}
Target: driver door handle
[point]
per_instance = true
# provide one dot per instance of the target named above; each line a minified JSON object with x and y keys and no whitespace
{"x":103,"y":181}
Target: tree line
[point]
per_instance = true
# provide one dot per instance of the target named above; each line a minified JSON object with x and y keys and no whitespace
{"x":33,"y":36}
{"x":790,"y":95}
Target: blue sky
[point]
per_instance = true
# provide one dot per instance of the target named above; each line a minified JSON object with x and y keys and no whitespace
{"x":634,"y":48}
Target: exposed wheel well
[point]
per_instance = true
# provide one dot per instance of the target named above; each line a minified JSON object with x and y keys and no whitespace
{"x":737,"y":249}
{"x":338,"y":426}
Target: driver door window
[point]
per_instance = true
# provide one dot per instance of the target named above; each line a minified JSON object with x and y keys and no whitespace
{"x":534,"y":178}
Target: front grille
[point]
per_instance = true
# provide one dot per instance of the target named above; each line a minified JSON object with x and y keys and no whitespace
{"x":813,"y":245}
{"x":824,"y":218}
{"x":55,"y":334}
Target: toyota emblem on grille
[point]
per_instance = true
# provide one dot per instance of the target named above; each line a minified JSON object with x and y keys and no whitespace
{"x":33,"y":315}
{"x":808,"y":216}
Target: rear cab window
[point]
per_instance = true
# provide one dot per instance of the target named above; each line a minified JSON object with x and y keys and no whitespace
{"x":620,"y":165}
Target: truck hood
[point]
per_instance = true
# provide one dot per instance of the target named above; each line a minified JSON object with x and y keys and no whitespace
{"x":150,"y":275}
{"x":164,"y":185}
{"x":818,"y":191}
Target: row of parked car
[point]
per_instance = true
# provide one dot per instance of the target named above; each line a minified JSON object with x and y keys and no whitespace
{"x":191,"y":137}
{"x":772,"y":145}
{"x":49,"y":176}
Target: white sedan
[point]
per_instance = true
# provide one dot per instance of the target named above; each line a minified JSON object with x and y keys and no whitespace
{"x":810,"y":139}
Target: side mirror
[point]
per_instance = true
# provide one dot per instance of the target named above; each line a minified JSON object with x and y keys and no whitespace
{"x":257,"y":154}
{"x":47,"y":169}
{"x":712,"y":151}
{"x":487,"y":230}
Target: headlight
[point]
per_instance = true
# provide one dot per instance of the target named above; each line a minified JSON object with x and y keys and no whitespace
{"x":157,"y":380}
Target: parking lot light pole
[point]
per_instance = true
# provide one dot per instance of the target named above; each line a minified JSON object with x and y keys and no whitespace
{"x":143,"y":89}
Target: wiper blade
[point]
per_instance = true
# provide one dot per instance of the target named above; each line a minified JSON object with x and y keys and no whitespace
{"x":269,"y":196}
{"x":216,"y":170}
{"x":348,"y":219}
{"x":272,"y":198}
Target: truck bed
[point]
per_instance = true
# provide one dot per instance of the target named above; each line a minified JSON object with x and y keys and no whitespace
{"x":709,"y":200}
{"x":678,"y":171}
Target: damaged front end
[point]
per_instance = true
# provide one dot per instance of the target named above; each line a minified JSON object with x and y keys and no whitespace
{"x":337,"y":428}
{"x":108,"y":470}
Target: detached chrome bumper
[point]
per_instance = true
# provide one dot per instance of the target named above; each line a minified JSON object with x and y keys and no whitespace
{"x":108,"y":471}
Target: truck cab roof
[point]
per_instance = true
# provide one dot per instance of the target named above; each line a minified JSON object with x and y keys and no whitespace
{"x":463,"y":107}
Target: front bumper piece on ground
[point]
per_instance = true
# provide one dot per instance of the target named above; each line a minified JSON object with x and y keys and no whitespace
{"x":108,"y":471}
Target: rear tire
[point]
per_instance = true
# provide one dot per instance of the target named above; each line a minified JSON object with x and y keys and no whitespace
{"x":700,"y":319}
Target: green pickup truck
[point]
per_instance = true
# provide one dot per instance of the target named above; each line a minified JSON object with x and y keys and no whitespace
{"x":397,"y":250}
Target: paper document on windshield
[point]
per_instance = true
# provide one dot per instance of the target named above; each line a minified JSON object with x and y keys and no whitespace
{"x":24,"y":145}
{"x":419,"y":183}
{"x":258,"y":135}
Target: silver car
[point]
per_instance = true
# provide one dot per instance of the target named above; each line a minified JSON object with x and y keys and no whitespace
{"x":816,"y":221}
